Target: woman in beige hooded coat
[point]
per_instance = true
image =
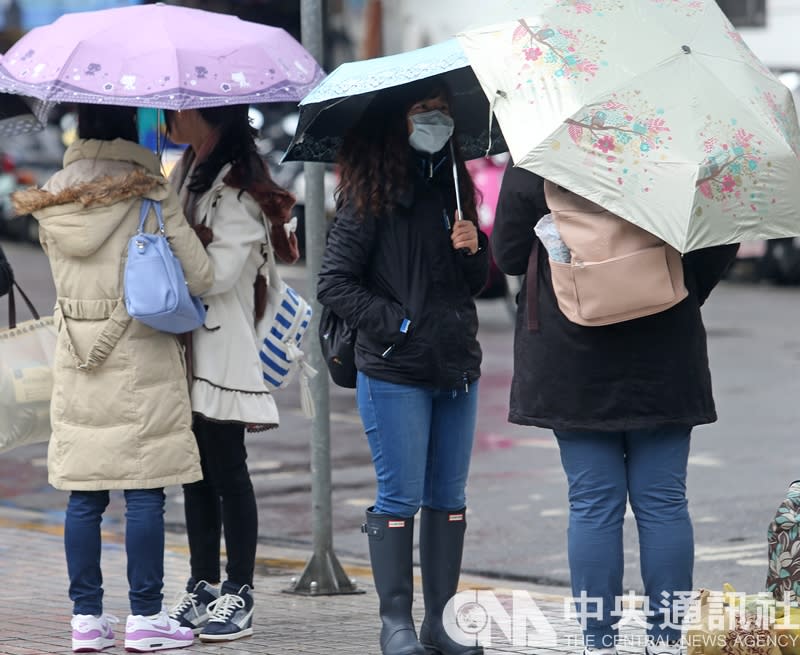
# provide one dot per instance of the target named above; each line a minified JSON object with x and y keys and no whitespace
{"x":120,"y":409}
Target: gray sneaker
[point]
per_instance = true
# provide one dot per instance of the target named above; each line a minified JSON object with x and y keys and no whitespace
{"x":191,"y":609}
{"x":231,"y":616}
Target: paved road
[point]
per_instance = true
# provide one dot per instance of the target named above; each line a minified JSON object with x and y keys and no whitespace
{"x":739,"y":468}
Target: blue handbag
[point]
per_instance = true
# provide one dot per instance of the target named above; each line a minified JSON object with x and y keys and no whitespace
{"x":156,"y":293}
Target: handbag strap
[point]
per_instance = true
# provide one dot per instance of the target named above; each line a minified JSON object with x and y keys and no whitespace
{"x":12,"y":306}
{"x":272,"y":266}
{"x":144,"y":210}
{"x":532,"y":287}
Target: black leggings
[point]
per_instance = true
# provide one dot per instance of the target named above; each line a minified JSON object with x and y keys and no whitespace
{"x":224,"y":497}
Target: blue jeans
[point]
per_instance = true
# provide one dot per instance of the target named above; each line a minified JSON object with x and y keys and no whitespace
{"x":144,"y":546}
{"x":421,"y":443}
{"x":604,"y":469}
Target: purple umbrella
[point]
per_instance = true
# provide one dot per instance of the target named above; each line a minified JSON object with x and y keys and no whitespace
{"x":159,"y":56}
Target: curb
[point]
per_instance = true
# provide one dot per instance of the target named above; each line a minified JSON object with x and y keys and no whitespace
{"x":284,"y":560}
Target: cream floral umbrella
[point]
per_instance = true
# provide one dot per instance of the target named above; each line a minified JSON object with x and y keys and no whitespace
{"x":654,"y":109}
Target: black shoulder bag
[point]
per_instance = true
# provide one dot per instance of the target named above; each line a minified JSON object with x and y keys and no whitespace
{"x":338,"y":343}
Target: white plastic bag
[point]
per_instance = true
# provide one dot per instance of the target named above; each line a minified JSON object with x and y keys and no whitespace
{"x":548,"y":234}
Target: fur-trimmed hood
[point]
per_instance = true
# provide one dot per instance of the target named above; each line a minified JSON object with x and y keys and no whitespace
{"x":83,"y":203}
{"x":102,"y":192}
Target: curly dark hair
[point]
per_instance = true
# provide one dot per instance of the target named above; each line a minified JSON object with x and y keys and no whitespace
{"x":375,"y":167}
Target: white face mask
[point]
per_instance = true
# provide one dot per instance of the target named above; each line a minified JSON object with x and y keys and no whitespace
{"x":431,"y":130}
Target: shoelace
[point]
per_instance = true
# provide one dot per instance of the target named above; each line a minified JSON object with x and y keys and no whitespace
{"x":222,"y":608}
{"x":186,"y":600}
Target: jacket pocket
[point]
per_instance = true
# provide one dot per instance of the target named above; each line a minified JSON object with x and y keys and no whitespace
{"x":387,"y":328}
{"x":381,"y":345}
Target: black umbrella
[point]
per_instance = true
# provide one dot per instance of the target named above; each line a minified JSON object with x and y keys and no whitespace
{"x":20,"y":115}
{"x":338,"y":101}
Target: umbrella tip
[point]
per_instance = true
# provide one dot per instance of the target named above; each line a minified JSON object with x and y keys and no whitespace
{"x":686,"y":49}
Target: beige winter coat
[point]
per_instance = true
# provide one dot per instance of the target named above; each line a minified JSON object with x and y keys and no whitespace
{"x":120,"y":410}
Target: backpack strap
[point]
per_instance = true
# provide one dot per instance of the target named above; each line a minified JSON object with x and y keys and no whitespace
{"x":532,"y":288}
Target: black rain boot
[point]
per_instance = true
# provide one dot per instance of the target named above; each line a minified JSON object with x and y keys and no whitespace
{"x":441,"y":543}
{"x":390,"y":546}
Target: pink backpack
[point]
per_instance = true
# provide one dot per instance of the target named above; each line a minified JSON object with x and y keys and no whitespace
{"x":617,"y":272}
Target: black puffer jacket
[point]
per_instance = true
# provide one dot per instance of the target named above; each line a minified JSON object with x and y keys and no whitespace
{"x":378,"y":271}
{"x":640,"y":374}
{"x":6,"y":275}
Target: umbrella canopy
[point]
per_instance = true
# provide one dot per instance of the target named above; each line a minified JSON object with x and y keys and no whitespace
{"x":654,"y":109}
{"x":160,"y":56}
{"x":336,"y":104}
{"x":17,"y":116}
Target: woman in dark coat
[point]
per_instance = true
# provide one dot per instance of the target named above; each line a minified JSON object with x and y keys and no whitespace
{"x":6,"y":274}
{"x":622,"y":400}
{"x":403,"y":268}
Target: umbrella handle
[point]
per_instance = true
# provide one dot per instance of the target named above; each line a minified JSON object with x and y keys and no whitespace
{"x":463,"y":251}
{"x":455,"y":179}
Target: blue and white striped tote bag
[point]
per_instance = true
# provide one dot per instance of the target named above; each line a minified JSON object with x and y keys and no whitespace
{"x":281,"y":333}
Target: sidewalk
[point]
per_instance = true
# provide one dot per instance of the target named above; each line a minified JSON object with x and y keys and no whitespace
{"x":36,"y":611}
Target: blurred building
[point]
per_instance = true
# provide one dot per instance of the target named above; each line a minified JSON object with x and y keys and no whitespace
{"x":340,"y":16}
{"x":775,"y":41}
{"x":416,"y":23}
{"x":745,"y":13}
{"x":26,"y":14}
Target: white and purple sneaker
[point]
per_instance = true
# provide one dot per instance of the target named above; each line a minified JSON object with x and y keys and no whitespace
{"x":144,"y":634}
{"x":91,"y":633}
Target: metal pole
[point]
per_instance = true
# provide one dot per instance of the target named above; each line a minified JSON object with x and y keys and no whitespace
{"x":323,"y":573}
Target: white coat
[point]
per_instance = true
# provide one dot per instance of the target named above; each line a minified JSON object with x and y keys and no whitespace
{"x":227,"y":383}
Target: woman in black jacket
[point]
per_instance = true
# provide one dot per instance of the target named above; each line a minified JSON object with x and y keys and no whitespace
{"x":6,"y":274}
{"x":622,"y":400}
{"x":402,"y":267}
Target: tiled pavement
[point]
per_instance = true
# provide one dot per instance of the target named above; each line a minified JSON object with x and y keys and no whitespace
{"x":35,"y":610}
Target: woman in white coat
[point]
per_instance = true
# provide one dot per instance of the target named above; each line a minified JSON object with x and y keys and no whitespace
{"x":231,"y":201}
